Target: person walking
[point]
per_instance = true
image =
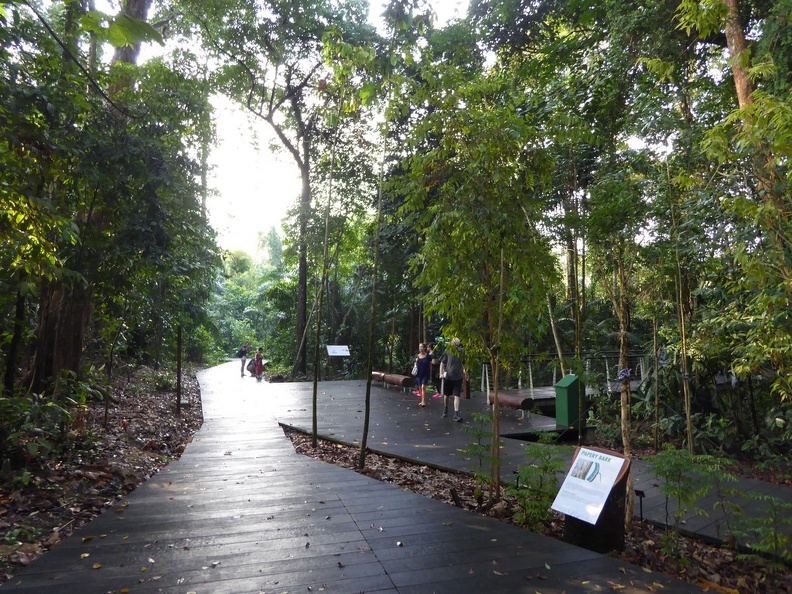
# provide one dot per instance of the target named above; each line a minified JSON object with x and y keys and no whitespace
{"x":452,"y":372}
{"x":242,"y":354}
{"x":423,"y":361}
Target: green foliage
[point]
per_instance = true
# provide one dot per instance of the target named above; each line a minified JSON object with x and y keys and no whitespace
{"x":479,"y":428}
{"x":766,"y":534}
{"x":472,"y":191}
{"x":770,"y":448}
{"x":119,"y":31}
{"x":538,"y":482}
{"x":604,"y":417}
{"x":31,"y":425}
{"x":718,"y":470}
{"x":682,"y":486}
{"x":687,"y":478}
{"x":603,"y":131}
{"x":106,"y":235}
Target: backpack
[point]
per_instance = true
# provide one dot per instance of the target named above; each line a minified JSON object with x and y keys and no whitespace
{"x":251,"y":366}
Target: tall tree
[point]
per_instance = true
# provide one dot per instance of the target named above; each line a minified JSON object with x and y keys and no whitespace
{"x":273,"y":63}
{"x":484,"y":265}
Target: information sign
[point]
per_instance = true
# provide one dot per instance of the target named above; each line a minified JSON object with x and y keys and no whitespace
{"x":337,"y":350}
{"x":588,"y":484}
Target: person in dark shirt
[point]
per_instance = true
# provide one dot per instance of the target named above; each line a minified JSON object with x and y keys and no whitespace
{"x":452,"y":371}
{"x":423,"y":361}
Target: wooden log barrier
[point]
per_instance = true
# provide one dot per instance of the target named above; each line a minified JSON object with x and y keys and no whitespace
{"x":393,"y":379}
{"x":511,"y":400}
{"x":403,"y":381}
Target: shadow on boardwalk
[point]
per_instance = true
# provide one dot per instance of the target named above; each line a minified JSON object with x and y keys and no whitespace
{"x":242,"y":512}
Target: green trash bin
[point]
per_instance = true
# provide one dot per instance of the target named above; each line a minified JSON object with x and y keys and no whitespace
{"x":567,"y":402}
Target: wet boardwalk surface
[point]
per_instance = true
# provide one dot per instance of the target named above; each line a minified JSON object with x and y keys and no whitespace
{"x":241,"y":512}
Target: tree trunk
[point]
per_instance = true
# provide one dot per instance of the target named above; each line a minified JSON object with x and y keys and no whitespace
{"x":372,"y":329}
{"x":495,"y":459}
{"x":623,"y":314}
{"x":137,"y":9}
{"x":64,"y":313}
{"x":656,"y":362}
{"x":556,"y":339}
{"x":735,"y":40}
{"x":301,"y":365}
{"x":570,"y":267}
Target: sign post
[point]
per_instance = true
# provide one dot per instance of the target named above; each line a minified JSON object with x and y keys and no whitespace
{"x":337,"y":350}
{"x":592,"y":498}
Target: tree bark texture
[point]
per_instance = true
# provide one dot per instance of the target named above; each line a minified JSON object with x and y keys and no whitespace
{"x":64,"y":313}
{"x":623,"y":314}
{"x":735,"y":41}
{"x":302,"y":271}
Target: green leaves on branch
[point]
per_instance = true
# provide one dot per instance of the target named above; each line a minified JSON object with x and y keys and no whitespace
{"x":119,"y":31}
{"x":704,"y":16}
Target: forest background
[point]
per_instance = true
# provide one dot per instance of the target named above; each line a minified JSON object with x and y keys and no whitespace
{"x":597,"y":187}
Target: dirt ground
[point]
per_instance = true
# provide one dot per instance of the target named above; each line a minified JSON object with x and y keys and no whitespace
{"x":55,"y":495}
{"x":143,"y":434}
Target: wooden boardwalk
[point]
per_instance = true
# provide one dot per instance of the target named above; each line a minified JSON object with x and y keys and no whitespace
{"x":241,"y":512}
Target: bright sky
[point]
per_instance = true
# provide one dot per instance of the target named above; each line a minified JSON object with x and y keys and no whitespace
{"x":253,"y":188}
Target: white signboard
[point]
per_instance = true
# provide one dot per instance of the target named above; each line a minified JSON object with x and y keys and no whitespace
{"x":337,"y":350}
{"x":588,"y":484}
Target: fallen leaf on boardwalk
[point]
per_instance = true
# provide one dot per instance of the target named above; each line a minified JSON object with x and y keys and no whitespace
{"x":96,"y":565}
{"x":496,"y":572}
{"x":84,"y":555}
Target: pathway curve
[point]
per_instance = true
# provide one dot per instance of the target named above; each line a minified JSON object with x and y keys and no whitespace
{"x":241,"y":512}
